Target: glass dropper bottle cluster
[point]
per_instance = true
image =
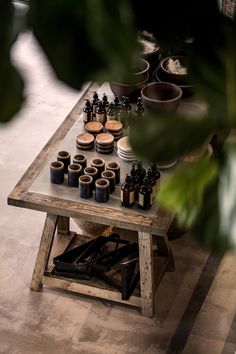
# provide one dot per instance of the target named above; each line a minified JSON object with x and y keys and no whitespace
{"x":140,"y":186}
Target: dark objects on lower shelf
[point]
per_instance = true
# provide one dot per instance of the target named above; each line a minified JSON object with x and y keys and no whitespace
{"x":111,"y":259}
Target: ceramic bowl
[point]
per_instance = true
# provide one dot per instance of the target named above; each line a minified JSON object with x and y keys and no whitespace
{"x":178,"y":79}
{"x":150,"y":48}
{"x":187,"y":90}
{"x":140,"y":74}
{"x":162,"y":97}
{"x":121,"y":89}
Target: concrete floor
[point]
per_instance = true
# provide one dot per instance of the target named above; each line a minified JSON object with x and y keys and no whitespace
{"x":196,"y":305}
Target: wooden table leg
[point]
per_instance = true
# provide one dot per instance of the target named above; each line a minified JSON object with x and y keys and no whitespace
{"x":63,"y":225}
{"x":43,"y":252}
{"x":146,"y":273}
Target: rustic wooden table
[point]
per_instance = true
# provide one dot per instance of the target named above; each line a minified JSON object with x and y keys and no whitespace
{"x":34,"y":191}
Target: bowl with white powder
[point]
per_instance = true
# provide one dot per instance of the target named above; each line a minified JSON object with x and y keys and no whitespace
{"x":174,"y":69}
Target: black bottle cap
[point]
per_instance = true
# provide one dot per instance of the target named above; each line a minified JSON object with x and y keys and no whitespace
{"x":146,"y":181}
{"x":128,"y":179}
{"x":104,"y":98}
{"x":87,"y":103}
{"x":95,"y":95}
{"x":116,"y":100}
{"x":139,"y":164}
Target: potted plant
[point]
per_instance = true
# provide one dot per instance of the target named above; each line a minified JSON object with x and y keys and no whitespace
{"x":86,"y":40}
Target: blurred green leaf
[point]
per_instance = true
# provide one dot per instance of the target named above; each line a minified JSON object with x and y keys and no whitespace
{"x":87,"y":39}
{"x":167,"y":137}
{"x":11,"y":93}
{"x":206,"y":228}
{"x":227,"y":195}
{"x":182,"y":192}
{"x":11,"y":84}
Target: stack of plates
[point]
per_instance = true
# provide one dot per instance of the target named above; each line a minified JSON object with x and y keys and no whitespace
{"x":94,"y":127}
{"x":124,"y":150}
{"x":85,"y":141}
{"x":115,"y":128}
{"x":105,"y":143}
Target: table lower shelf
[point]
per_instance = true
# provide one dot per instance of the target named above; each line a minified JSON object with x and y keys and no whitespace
{"x":90,"y":287}
{"x":94,"y":286}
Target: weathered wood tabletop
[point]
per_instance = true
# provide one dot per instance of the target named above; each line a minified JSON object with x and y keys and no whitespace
{"x":60,"y":202}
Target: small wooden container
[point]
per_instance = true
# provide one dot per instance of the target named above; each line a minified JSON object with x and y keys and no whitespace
{"x":57,"y":172}
{"x":80,"y":159}
{"x":111,"y":177}
{"x":115,"y":167}
{"x":85,"y":186}
{"x":64,"y":157}
{"x":99,"y":164}
{"x":102,"y":190}
{"x":93,"y":172}
{"x":74,"y":171}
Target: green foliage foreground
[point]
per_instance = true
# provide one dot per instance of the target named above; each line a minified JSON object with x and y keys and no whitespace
{"x":96,"y":40}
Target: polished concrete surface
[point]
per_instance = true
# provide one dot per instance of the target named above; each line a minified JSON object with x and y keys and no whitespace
{"x":196,"y":304}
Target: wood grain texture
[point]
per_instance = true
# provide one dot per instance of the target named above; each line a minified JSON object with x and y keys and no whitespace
{"x":90,"y":290}
{"x":103,"y":215}
{"x":60,"y":243}
{"x":43,"y":252}
{"x":61,"y":206}
{"x":42,"y":158}
{"x":146,"y":273}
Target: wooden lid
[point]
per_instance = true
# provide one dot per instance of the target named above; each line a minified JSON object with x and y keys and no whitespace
{"x":85,"y":139}
{"x":113,"y":126}
{"x":104,"y":139}
{"x":94,"y":127}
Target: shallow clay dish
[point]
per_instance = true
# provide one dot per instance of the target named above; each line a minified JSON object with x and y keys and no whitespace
{"x":123,"y":144}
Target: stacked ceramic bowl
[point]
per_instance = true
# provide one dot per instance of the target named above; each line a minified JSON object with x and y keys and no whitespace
{"x":85,"y":141}
{"x":94,"y":128}
{"x":173,"y":69}
{"x":150,"y":49}
{"x":124,"y":150}
{"x":104,"y":143}
{"x":132,"y":86}
{"x":115,"y":128}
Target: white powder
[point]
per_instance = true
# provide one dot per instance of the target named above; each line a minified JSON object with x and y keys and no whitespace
{"x":175,"y":67}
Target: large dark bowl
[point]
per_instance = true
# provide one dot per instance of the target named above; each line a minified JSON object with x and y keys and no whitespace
{"x":121,"y":89}
{"x":187,"y":90}
{"x":150,"y":48}
{"x":162,"y":97}
{"x":140,"y":74}
{"x":178,"y":79}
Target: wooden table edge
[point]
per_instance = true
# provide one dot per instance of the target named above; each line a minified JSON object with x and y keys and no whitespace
{"x":41,"y":159}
